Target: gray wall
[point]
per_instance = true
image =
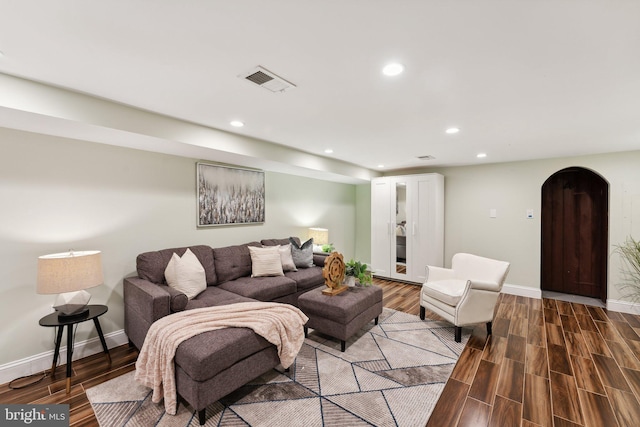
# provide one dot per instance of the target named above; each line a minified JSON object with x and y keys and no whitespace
{"x":363,"y":223}
{"x":512,"y":188}
{"x":59,"y":194}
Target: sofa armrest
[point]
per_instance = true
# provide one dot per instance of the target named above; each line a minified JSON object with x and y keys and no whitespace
{"x":434,"y":274}
{"x":319,"y":258}
{"x":144,"y":303}
{"x":177,"y":301}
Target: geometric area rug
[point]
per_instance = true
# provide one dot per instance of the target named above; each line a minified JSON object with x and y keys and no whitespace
{"x":391,"y":374}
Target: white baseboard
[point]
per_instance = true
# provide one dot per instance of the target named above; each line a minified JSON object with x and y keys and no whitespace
{"x":523,"y":291}
{"x":613,"y":305}
{"x":623,"y":306}
{"x":40,"y":362}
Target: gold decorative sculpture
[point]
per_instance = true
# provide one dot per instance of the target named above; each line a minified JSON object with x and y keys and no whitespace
{"x":333,"y":273}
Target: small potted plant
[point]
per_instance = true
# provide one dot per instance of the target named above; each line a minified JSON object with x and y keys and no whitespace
{"x":328,"y":248}
{"x":356,"y":270}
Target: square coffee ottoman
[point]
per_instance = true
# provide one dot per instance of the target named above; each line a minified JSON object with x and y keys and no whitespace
{"x":340,"y":316}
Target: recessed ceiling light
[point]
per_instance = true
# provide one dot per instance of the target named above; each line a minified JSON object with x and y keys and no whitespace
{"x":452,"y":130}
{"x":328,"y":151}
{"x":236,"y":123}
{"x":380,"y":166}
{"x":393,"y":69}
{"x":481,"y":155}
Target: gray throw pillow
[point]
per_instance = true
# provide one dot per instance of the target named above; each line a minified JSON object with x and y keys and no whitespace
{"x":302,"y":254}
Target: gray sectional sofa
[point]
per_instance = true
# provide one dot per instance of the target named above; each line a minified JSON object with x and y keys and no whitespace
{"x":211,"y":365}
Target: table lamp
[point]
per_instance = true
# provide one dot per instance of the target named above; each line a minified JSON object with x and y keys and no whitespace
{"x":320,"y":237}
{"x":68,"y":274}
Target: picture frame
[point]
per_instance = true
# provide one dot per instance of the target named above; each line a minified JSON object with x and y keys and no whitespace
{"x":228,"y":195}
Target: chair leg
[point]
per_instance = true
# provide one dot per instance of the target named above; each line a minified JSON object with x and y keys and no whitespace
{"x":422,"y":312}
{"x":202,"y":416}
{"x":458,"y":334}
{"x":488,"y":328}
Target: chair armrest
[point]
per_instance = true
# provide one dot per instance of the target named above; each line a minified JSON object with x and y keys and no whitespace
{"x":485,"y":285}
{"x":476,"y":306}
{"x":433,"y":274}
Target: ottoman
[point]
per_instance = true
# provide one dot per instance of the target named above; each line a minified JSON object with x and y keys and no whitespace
{"x":340,"y":316}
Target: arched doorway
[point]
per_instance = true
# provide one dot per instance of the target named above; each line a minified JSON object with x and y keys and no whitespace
{"x":575,"y":221}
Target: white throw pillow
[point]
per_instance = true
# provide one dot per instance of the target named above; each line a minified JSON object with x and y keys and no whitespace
{"x":266,"y":261}
{"x":186,"y":274}
{"x":286,"y":258}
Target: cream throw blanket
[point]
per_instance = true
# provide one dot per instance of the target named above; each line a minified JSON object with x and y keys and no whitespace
{"x":280,"y":324}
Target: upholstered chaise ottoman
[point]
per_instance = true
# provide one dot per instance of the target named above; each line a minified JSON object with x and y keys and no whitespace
{"x":211,"y":365}
{"x":340,"y":316}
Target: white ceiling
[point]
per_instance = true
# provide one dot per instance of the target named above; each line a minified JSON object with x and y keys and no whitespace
{"x":521,"y":79}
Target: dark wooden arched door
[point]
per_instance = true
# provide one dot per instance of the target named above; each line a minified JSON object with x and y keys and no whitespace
{"x":575,"y":212}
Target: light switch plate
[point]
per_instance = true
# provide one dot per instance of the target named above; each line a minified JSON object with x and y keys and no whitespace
{"x":493,"y":213}
{"x":529,"y":213}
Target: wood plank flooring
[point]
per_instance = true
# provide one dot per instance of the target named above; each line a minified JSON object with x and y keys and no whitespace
{"x":548,"y":363}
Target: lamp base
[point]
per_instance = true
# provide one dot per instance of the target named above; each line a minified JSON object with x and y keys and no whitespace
{"x":71,"y":304}
{"x":78,"y":314}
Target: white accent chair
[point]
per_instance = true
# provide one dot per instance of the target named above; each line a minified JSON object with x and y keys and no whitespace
{"x":466,"y":293}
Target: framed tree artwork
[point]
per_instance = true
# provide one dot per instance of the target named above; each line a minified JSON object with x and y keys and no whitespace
{"x":229,"y":195}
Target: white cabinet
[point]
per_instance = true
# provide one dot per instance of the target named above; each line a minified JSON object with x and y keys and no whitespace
{"x":407,"y":225}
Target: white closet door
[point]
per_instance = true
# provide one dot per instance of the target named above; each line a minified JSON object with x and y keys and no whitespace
{"x":407,"y":225}
{"x":381,"y":226}
{"x":422,"y":227}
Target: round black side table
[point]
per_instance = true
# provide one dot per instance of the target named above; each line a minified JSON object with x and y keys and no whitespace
{"x":52,"y":320}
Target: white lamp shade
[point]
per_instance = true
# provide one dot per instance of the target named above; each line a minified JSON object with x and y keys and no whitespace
{"x":69,"y":271}
{"x":320,"y":236}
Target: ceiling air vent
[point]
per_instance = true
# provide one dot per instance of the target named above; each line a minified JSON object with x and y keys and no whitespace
{"x":427,"y":157}
{"x":268,"y":80}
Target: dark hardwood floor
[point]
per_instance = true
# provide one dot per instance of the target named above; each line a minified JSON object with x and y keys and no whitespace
{"x":548,"y":363}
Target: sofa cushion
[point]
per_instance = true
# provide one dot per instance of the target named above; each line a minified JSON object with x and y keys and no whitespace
{"x":151,"y":265}
{"x":274,"y":242}
{"x":285,"y":251}
{"x":205,"y":355}
{"x":265,"y":261}
{"x":306,"y":278}
{"x":213,"y":296}
{"x":186,"y":274}
{"x":261,"y":288}
{"x":286,"y":258}
{"x":302,"y":254}
{"x":232,"y":262}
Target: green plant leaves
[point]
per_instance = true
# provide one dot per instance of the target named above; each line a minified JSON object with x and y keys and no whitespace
{"x":629,"y":251}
